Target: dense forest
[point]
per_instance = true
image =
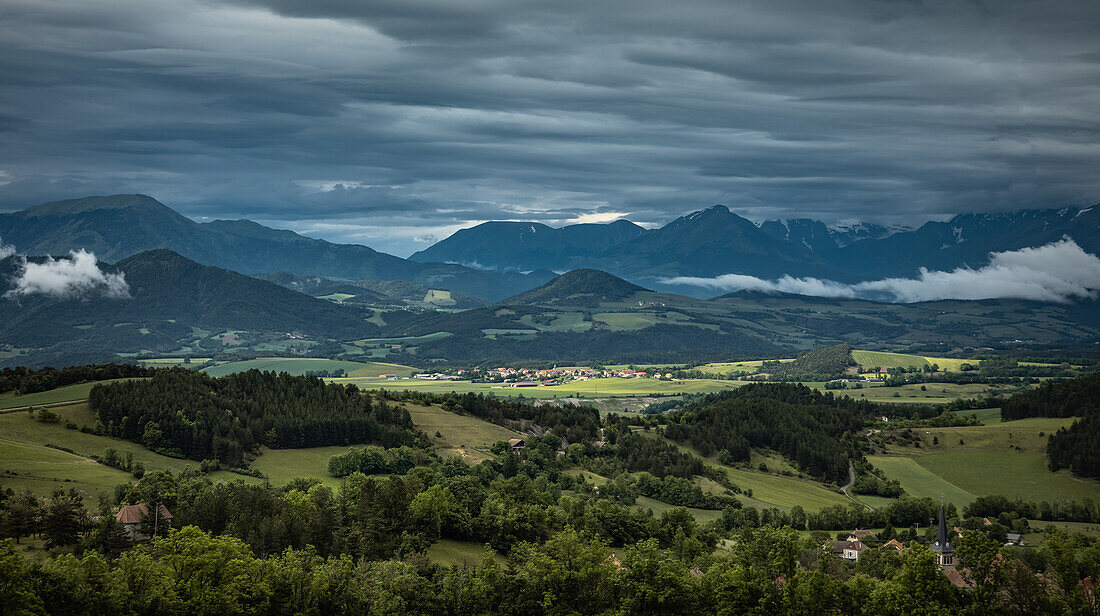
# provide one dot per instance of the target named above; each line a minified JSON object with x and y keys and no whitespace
{"x":817,"y":365}
{"x":810,"y":428}
{"x":189,"y":414}
{"x":1077,"y":447}
{"x":1073,"y":398}
{"x":23,"y":380}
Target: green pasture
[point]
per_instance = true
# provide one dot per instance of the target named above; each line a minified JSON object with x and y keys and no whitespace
{"x":460,"y":435}
{"x":592,"y":388}
{"x":986,"y":416}
{"x":439,"y":297}
{"x":1006,"y":458}
{"x":26,"y":462}
{"x":282,"y":465}
{"x":451,"y":553}
{"x":558,"y":322}
{"x":875,"y":502}
{"x":403,"y":340}
{"x":751,"y":366}
{"x":170,"y":362}
{"x":773,"y":490}
{"x":701,"y":516}
{"x":590,"y":477}
{"x":335,"y":297}
{"x":1038,"y":526}
{"x":919,"y":481}
{"x":933,"y":393}
{"x":883,"y":359}
{"x":69,"y":393}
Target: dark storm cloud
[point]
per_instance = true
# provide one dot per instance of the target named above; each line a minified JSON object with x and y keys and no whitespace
{"x":388,"y":121}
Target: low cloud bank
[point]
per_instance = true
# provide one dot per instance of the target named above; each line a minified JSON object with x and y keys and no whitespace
{"x":6,"y":250}
{"x":1057,"y":272}
{"x":76,"y":276}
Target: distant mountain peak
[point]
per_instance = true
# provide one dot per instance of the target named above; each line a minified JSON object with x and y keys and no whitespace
{"x":69,"y":207}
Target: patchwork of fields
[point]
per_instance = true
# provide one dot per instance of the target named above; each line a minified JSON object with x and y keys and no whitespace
{"x":952,"y":464}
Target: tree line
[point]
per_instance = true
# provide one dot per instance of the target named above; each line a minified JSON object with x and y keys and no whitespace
{"x":22,"y":380}
{"x":575,"y":423}
{"x":190,"y":414}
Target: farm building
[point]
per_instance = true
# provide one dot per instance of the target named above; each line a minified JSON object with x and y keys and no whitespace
{"x":131,"y":516}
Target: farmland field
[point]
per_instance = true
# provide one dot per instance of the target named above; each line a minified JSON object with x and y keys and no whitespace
{"x":460,"y":435}
{"x":1006,"y":458}
{"x":986,"y":416}
{"x":882,"y":359}
{"x":588,"y":389}
{"x":751,"y":366}
{"x":300,"y":366}
{"x":282,"y":465}
{"x":69,"y":393}
{"x":933,"y":393}
{"x":166,"y":362}
{"x":919,"y":481}
{"x":774,"y":490}
{"x":29,"y":463}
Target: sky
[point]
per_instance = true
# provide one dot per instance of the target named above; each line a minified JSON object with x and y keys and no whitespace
{"x":394,"y":123}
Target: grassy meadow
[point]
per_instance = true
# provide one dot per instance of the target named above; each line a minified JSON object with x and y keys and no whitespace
{"x":459,"y":435}
{"x":961,"y":463}
{"x":69,"y":393}
{"x":301,"y":365}
{"x":591,"y":388}
{"x":28,"y":462}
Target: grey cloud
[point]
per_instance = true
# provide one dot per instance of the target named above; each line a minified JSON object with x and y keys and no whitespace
{"x":441,"y":114}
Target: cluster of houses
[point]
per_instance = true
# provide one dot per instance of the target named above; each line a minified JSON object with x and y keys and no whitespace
{"x":853,"y":546}
{"x":523,"y":377}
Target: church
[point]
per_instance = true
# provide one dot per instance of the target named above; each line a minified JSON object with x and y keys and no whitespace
{"x":946,"y":553}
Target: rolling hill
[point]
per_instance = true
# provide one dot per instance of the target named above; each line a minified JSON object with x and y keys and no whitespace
{"x":582,"y":287}
{"x":170,"y":295}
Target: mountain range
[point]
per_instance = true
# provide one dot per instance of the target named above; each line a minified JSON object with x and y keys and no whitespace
{"x":119,"y":226}
{"x":496,"y":260}
{"x":716,"y":241}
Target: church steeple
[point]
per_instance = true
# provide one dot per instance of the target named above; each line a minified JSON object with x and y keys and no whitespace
{"x":942,"y":545}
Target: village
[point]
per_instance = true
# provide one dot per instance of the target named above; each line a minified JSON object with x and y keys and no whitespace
{"x":527,"y":377}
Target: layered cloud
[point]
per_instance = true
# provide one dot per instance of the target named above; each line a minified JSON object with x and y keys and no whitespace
{"x":1057,"y":272}
{"x":78,"y":275}
{"x":389,"y":119}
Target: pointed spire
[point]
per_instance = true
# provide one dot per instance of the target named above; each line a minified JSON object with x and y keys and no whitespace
{"x":942,"y":544}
